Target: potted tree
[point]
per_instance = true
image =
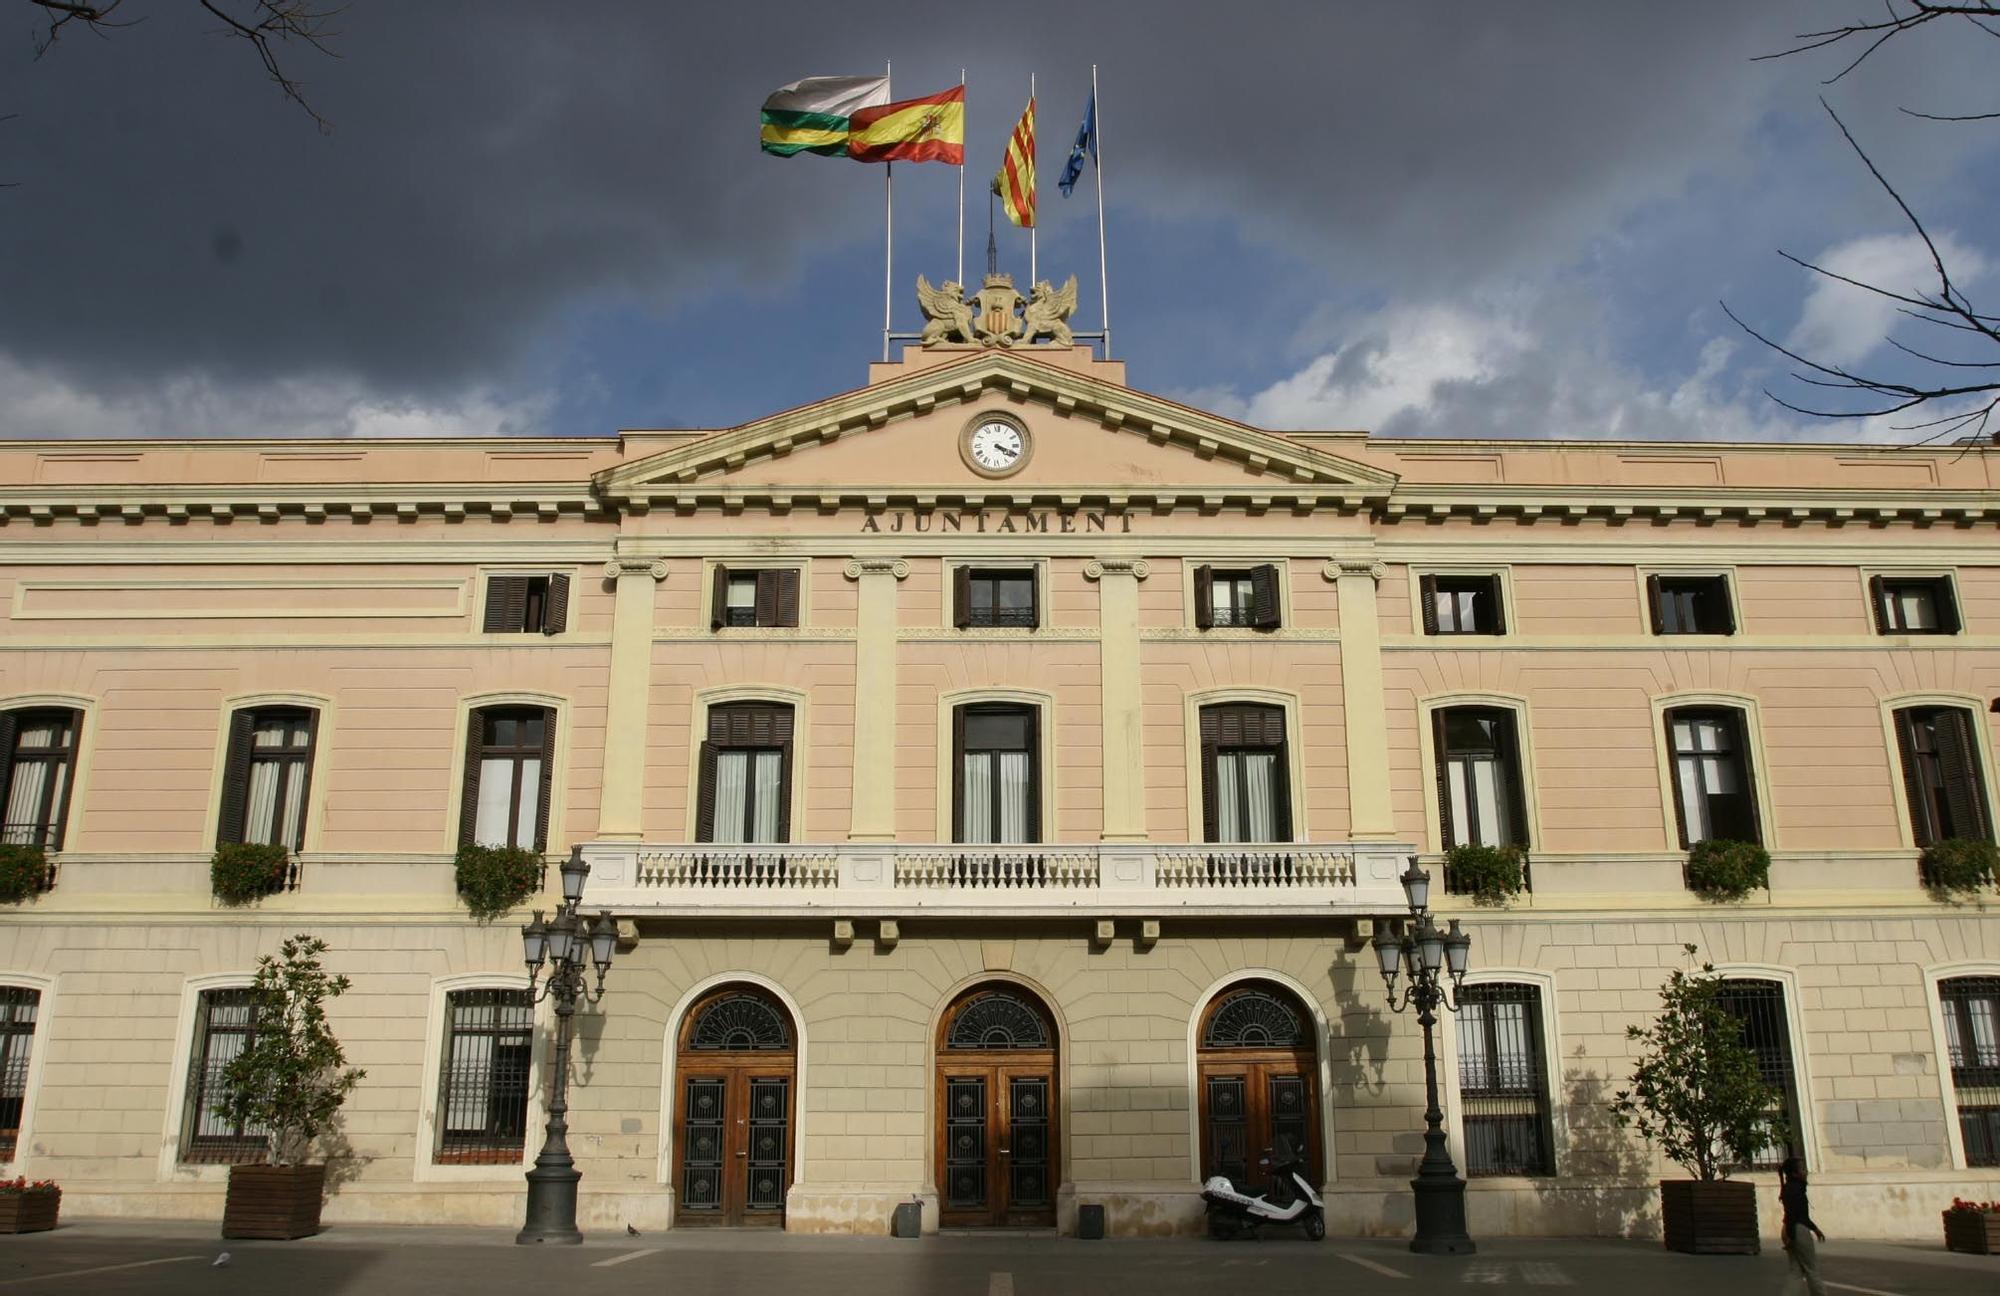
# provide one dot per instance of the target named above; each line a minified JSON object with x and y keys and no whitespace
{"x":289,"y":1081}
{"x":1697,"y":1094}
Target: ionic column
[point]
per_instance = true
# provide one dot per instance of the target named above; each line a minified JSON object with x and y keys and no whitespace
{"x":621,"y":816}
{"x":1121,"y":703}
{"x":874,"y":813}
{"x":1363,"y":701}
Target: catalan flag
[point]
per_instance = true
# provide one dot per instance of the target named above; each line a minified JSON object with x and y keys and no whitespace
{"x":931,"y":129}
{"x":814,"y":115}
{"x":1015,"y":181}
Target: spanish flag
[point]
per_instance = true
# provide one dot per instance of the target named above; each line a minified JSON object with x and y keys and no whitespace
{"x":1015,"y":181}
{"x":814,"y":115}
{"x":931,"y":129}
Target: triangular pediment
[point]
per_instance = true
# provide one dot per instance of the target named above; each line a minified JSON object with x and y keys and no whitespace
{"x":898,"y":438}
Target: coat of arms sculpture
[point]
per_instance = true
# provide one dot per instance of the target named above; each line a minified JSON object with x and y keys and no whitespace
{"x":997,"y":315}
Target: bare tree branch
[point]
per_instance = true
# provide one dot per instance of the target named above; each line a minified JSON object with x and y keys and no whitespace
{"x":1901,"y":16}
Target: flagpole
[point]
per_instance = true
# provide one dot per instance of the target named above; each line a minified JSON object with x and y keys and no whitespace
{"x":1036,"y":180}
{"x":1097,"y":151}
{"x":888,"y":229}
{"x":961,"y":191}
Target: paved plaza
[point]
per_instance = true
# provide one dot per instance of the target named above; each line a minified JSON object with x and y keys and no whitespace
{"x":171,"y":1259}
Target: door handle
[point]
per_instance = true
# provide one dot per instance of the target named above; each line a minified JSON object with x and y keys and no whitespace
{"x":1006,"y":1151}
{"x":743,"y":1154}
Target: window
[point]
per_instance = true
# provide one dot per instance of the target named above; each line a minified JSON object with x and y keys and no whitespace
{"x":995,"y":596}
{"x":509,"y":755}
{"x":1686,"y":605}
{"x":1972,"y":1039}
{"x":483,"y":1086}
{"x":1913,"y":605}
{"x":19,"y":1006}
{"x":223,"y":1026}
{"x":1462,"y":605}
{"x":746,"y":774}
{"x":1480,"y":796}
{"x":527,"y":604}
{"x":266,"y":775}
{"x":765,"y":596}
{"x":1713,"y":792}
{"x":1760,"y":1007}
{"x":997,"y":800}
{"x":1246,"y":596}
{"x":1246,"y":777}
{"x":1503,"y":1088}
{"x":37,"y":756}
{"x":1941,"y":774}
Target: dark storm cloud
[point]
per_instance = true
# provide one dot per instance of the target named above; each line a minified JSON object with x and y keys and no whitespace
{"x":497,"y":169}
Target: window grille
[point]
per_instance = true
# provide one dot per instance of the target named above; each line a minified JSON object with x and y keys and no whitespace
{"x":1972,"y":1041}
{"x":1255,"y":1019}
{"x":19,"y":1007}
{"x":996,"y":1020}
{"x":483,"y":1085}
{"x":1759,"y":1007}
{"x":225,"y":1022}
{"x":1503,"y":1086}
{"x":738,"y":1022}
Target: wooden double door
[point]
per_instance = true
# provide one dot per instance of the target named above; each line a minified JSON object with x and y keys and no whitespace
{"x":997,"y":1101}
{"x":737,"y":1077}
{"x":1247,"y":1104}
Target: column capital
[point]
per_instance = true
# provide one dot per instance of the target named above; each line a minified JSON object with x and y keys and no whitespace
{"x":1099,"y":568}
{"x":617,"y":567}
{"x":1372,"y":568}
{"x":859,"y":567}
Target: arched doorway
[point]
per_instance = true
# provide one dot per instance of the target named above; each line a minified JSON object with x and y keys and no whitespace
{"x":1258,"y":1072}
{"x":997,"y":1145}
{"x":737,"y":1063}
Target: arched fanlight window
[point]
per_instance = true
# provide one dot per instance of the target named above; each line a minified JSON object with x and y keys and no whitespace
{"x":1255,"y":1018}
{"x":740,"y":1022}
{"x":997,"y":1019}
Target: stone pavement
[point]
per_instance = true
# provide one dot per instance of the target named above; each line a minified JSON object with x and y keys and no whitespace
{"x":175,"y":1259}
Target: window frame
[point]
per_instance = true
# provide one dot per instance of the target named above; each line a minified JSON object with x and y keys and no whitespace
{"x":1537,"y":1052}
{"x":1653,"y":582}
{"x":232,"y":821}
{"x":1435,"y":717}
{"x":1920,"y":809}
{"x":497,"y":591}
{"x":448,"y":1038}
{"x":1948,"y":607}
{"x":1423,"y":614}
{"x":778,"y":604}
{"x":200,"y":1033}
{"x":1551,"y":1042}
{"x":960,"y":713}
{"x":38,"y":1044}
{"x":472,"y":769}
{"x":1934,"y":977}
{"x":427,"y":1169}
{"x":1263,"y":611}
{"x":13,"y":717}
{"x":1206,"y":809}
{"x":1751,"y":742}
{"x":1799,"y":1101}
{"x":958,"y":593}
{"x":719,"y":713}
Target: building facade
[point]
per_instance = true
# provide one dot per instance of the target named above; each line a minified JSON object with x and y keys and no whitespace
{"x":996,"y":772}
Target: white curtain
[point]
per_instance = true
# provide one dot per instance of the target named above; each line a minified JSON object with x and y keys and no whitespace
{"x":1013,"y":797}
{"x":976,"y":804}
{"x":1246,"y":801}
{"x":1701,"y":776}
{"x":1472,"y":1060}
{"x":732,"y":784}
{"x":1919,"y":611}
{"x":24,"y":802}
{"x":1478,"y":804}
{"x":1262,"y":819}
{"x":496,"y":797}
{"x":260,"y":823}
{"x":764,"y":810}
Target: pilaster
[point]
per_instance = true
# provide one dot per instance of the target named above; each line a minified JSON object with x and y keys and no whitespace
{"x":621,"y":816}
{"x":1118,"y":663}
{"x":1363,"y":702}
{"x":874,"y":812}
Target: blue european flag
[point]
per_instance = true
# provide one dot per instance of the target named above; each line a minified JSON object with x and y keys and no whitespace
{"x":1086,"y":142}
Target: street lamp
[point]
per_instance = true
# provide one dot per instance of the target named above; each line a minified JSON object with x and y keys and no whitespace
{"x":567,"y":943}
{"x":1435,"y":963}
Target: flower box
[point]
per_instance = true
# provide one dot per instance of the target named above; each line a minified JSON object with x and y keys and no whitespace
{"x":28,"y":1208}
{"x":1973,"y":1227}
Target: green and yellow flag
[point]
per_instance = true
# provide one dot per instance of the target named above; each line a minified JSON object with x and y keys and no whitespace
{"x":813,"y":115}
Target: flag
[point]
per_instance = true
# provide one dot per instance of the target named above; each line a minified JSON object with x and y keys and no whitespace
{"x":1086,"y":142}
{"x":1015,"y":181}
{"x":812,"y":115}
{"x":931,"y":129}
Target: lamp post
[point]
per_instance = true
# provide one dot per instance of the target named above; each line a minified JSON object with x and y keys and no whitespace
{"x":568,"y":943}
{"x":1435,"y":963}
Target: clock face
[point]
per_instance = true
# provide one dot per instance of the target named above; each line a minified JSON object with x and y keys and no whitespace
{"x":996,"y":446}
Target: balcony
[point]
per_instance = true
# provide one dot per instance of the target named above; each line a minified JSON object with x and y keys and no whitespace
{"x":806,"y":879}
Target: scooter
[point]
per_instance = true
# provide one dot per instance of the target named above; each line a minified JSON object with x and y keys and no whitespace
{"x":1290,"y":1200}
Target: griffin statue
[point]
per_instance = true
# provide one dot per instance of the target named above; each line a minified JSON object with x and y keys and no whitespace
{"x":947,"y":317}
{"x":1047,"y":314}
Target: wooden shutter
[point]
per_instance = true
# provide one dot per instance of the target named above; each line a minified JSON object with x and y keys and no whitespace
{"x":1427,"y":595}
{"x":1674,"y":781}
{"x":704,"y":803}
{"x":306,"y":777}
{"x":1204,"y":597}
{"x":547,"y":789}
{"x":1656,"y":605}
{"x":555,"y":612}
{"x":1913,"y":783}
{"x":468,"y":796}
{"x":1740,"y":722}
{"x":785,"y":788}
{"x":767,"y":598}
{"x":9,"y":729}
{"x":1877,"y":598}
{"x":1281,"y":773}
{"x":1508,"y":739}
{"x":961,"y":597}
{"x":1211,"y":741}
{"x":718,"y":599}
{"x":1034,"y":716}
{"x":1725,"y":605}
{"x":236,"y":777}
{"x":1441,"y":750}
{"x":1034,"y":598}
{"x":1264,"y":597}
{"x":506,"y":604}
{"x":958,"y":770}
{"x":1498,"y":605}
{"x":1947,"y":606}
{"x":1963,"y":794}
{"x":786,"y":611}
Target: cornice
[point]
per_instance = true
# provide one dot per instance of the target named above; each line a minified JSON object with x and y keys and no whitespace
{"x":316,"y":502}
{"x":1829,"y":505}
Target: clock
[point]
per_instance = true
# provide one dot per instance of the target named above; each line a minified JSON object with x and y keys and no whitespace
{"x":995,"y":445}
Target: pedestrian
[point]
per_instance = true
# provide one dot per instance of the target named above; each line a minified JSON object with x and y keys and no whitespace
{"x":1800,"y":1231}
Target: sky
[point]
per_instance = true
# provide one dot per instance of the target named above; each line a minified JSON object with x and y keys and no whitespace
{"x":1421,"y":219}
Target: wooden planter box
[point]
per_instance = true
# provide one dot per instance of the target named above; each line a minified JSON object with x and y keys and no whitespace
{"x":1975,"y":1232}
{"x":29,"y":1212}
{"x":1709,"y":1218}
{"x":267,"y":1201}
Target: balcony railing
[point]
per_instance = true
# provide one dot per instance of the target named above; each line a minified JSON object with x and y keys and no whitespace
{"x":944,"y":879}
